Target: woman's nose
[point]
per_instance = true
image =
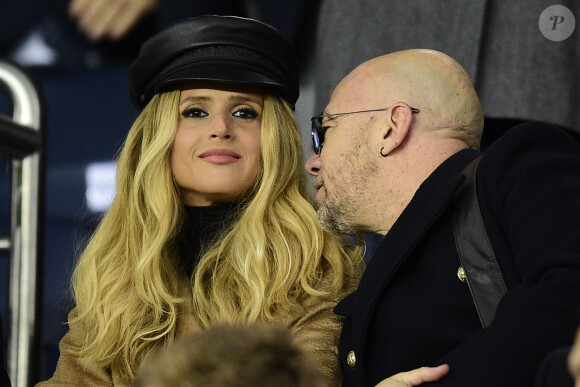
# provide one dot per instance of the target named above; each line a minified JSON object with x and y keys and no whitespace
{"x":221,"y":127}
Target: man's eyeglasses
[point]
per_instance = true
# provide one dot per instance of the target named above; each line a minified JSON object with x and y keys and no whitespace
{"x":318,"y":130}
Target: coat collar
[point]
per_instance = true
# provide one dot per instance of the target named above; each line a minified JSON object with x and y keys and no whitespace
{"x":432,"y":197}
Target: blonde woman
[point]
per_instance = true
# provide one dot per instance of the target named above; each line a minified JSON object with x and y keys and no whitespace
{"x":211,"y":222}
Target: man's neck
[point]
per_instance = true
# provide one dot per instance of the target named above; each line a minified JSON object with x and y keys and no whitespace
{"x":403,"y":174}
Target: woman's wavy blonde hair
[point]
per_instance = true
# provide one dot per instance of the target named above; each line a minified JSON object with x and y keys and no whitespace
{"x":126,"y":282}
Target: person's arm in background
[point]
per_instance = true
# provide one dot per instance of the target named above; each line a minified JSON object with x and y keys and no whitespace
{"x":111,"y":19}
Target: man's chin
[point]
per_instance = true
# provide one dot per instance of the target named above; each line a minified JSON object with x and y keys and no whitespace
{"x":319,"y":201}
{"x":330,"y":222}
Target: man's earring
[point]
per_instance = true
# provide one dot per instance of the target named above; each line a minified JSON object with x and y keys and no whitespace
{"x":381,"y":152}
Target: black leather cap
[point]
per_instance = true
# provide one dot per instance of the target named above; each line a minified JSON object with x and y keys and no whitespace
{"x":220,"y":49}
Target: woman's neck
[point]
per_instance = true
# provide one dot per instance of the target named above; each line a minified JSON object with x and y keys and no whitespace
{"x":201,"y":227}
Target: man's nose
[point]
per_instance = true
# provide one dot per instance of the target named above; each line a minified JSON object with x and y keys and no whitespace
{"x":313,"y":165}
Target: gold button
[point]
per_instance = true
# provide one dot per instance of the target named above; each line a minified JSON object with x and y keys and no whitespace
{"x":351,"y":359}
{"x":461,"y":274}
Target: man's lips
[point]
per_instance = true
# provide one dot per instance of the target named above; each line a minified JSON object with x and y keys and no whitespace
{"x":317,"y":185}
{"x":220,"y":156}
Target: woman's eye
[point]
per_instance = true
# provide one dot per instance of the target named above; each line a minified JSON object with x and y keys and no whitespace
{"x":194,"y":113}
{"x":246,"y":113}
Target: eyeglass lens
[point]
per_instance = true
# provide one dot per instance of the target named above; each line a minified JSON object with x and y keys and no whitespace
{"x":317,"y":134}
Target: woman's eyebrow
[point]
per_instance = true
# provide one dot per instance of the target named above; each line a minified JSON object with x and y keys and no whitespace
{"x":234,"y":98}
{"x":192,"y":98}
{"x":246,"y":98}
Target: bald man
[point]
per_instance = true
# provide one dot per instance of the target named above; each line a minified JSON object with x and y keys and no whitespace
{"x":391,"y":146}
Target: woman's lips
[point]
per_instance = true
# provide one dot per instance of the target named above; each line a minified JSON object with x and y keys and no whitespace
{"x":220,"y":156}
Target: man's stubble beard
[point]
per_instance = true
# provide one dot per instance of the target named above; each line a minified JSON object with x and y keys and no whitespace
{"x":338,"y":211}
{"x":334,"y":218}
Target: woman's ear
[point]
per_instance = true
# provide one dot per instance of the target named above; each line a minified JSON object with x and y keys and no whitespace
{"x":397,"y":126}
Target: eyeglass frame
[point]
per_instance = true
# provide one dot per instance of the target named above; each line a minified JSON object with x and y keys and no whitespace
{"x":318,"y":131}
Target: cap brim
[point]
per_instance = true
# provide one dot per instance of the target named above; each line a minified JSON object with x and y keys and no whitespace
{"x":218,"y":73}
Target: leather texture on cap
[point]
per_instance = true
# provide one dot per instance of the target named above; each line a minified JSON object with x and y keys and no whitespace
{"x":221,"y":49}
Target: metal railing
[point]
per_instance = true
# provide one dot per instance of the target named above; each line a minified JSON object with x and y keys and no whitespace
{"x":21,"y":139}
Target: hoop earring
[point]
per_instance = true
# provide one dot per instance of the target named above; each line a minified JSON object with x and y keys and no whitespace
{"x":381,"y":152}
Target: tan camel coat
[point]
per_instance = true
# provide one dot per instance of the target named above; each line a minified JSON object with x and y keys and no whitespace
{"x":315,"y":325}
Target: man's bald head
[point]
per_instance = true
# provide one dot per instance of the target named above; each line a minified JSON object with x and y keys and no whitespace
{"x":427,"y":79}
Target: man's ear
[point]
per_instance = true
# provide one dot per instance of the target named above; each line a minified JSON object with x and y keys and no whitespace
{"x":397,"y":126}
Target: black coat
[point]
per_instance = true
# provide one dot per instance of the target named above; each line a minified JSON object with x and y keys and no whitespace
{"x":411,"y":310}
